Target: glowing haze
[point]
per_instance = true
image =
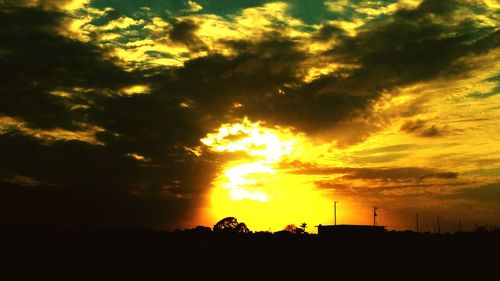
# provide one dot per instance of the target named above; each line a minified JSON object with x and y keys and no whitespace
{"x":254,"y":187}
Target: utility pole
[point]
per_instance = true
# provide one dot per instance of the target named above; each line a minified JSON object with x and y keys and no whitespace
{"x":439,"y":226}
{"x":335,"y":212}
{"x":374,"y":215}
{"x":417,"y":222}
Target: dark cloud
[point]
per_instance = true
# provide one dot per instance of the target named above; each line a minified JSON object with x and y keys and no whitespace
{"x":413,"y":46}
{"x":36,"y":60}
{"x":184,"y":32}
{"x":389,"y":193}
{"x":486,"y":172}
{"x":485,"y":193}
{"x":82,"y":183}
{"x":390,"y":148}
{"x":266,"y":78}
{"x":375,"y":173}
{"x":492,"y":92}
{"x":253,"y":78}
{"x":71,"y":206}
{"x":379,"y":159}
{"x":328,"y":32}
{"x":78,"y":182}
{"x":409,"y":47}
{"x":377,"y":188}
{"x":422,"y":128}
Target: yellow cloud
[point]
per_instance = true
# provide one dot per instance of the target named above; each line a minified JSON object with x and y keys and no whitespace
{"x":69,"y":5}
{"x":408,"y":4}
{"x":138,"y":157}
{"x":88,"y":135}
{"x":336,"y":6}
{"x":78,"y":26}
{"x":376,"y":11}
{"x":350,"y":27}
{"x":472,"y":122}
{"x":157,"y":24}
{"x":136,"y":89}
{"x":75,"y":4}
{"x":371,"y":8}
{"x":213,"y":31}
{"x":121,"y":23}
{"x":193,"y":6}
{"x":492,"y":4}
{"x":61,"y":94}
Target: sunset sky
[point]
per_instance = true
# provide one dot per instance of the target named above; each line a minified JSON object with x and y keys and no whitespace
{"x":176,"y":113}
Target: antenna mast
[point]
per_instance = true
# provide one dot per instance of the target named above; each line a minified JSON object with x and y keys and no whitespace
{"x":375,"y":215}
{"x":335,"y":212}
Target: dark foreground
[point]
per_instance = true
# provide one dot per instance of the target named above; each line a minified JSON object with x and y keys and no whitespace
{"x":202,"y":252}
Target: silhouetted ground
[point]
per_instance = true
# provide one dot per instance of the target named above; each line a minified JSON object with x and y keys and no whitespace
{"x":202,"y":252}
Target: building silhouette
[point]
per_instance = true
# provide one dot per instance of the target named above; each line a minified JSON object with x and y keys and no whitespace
{"x":342,"y":229}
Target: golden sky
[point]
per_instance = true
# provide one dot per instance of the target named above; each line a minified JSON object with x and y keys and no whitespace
{"x":172,"y":114}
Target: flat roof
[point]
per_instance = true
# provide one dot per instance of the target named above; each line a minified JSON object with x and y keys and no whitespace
{"x":352,"y":226}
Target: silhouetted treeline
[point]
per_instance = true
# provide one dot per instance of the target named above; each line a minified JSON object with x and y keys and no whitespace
{"x":122,"y":247}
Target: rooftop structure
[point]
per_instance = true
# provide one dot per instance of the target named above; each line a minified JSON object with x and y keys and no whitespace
{"x":350,"y":229}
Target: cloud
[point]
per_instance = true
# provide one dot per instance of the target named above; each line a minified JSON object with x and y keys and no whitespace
{"x":375,"y":173}
{"x":485,"y":193}
{"x":85,"y":133}
{"x":57,"y":88}
{"x":388,"y":183}
{"x":80,"y":183}
{"x":172,"y":39}
{"x":420,"y":128}
{"x":390,"y":148}
{"x":184,"y":32}
{"x":18,"y":180}
{"x":76,"y":207}
{"x":194,"y":6}
{"x":415,"y":45}
{"x":37,"y":61}
{"x":122,"y":23}
{"x":412,"y":46}
{"x":67,"y":5}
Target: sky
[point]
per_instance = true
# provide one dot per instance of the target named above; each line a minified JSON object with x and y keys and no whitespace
{"x":171,"y":114}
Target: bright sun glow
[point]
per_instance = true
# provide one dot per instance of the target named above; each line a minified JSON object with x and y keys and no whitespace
{"x":264,"y":144}
{"x":256,"y":188}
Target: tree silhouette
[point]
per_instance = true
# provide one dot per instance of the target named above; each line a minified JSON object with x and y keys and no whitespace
{"x":293,"y":229}
{"x":230,"y":225}
{"x":242,"y":228}
{"x":303,"y":226}
{"x":290,"y":228}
